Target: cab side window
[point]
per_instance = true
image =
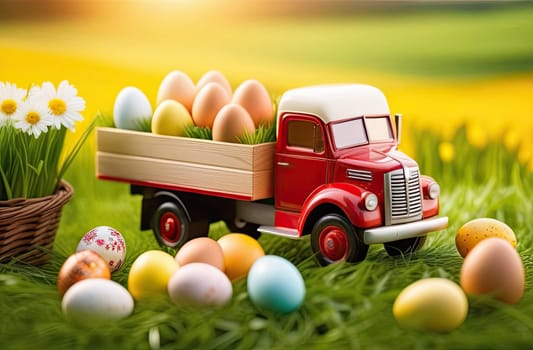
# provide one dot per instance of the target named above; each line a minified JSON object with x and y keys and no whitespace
{"x":305,"y":135}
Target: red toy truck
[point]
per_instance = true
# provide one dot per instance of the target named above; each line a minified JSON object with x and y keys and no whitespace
{"x":335,"y":173}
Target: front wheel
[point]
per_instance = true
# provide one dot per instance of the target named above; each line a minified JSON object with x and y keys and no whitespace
{"x":334,"y":239}
{"x":171,"y":225}
{"x":404,"y":246}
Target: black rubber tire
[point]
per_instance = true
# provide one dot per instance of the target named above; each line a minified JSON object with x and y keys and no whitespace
{"x":171,"y":211}
{"x":335,"y":228}
{"x":404,"y":246}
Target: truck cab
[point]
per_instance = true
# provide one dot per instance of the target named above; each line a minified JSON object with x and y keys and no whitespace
{"x":340,"y":177}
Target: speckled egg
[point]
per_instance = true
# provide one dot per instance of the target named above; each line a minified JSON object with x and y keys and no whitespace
{"x":231,"y":123}
{"x":477,"y":230}
{"x":431,"y":304}
{"x":199,"y":284}
{"x":494,"y":268}
{"x":106,"y":242}
{"x":79,"y":266}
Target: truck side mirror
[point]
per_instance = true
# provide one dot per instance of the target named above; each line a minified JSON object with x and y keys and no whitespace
{"x":398,"y":122}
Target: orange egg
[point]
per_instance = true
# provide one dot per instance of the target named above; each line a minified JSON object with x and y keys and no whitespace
{"x":231,"y":122}
{"x":494,"y":268}
{"x":240,"y":253}
{"x":214,"y":76}
{"x":79,"y":266}
{"x":177,"y":86}
{"x":254,"y":97}
{"x":207,"y":103}
{"x":477,"y":230}
{"x":203,"y":250}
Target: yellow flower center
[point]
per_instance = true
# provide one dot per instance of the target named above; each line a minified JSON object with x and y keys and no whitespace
{"x":32,"y":118}
{"x":8,"y":107}
{"x":57,"y":106}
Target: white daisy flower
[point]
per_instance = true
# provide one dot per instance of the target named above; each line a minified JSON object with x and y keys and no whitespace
{"x":10,"y":101}
{"x":33,"y":118}
{"x":64,"y":106}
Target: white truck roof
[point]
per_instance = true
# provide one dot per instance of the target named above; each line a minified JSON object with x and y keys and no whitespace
{"x":335,"y":102}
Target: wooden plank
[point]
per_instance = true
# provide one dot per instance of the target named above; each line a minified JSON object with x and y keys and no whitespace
{"x":183,"y":149}
{"x":257,"y":184}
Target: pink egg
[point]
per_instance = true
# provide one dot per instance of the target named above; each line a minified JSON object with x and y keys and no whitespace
{"x":106,"y":242}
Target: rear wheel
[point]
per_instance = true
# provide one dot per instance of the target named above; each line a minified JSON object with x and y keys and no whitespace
{"x":404,"y":246}
{"x":171,"y":225}
{"x":335,"y":239}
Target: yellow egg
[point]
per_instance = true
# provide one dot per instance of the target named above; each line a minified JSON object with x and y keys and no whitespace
{"x":431,"y":304}
{"x":254,"y":97}
{"x":177,"y":86}
{"x":231,"y":122}
{"x":149,"y":274}
{"x":207,"y":103}
{"x":201,"y":250}
{"x":477,"y":230}
{"x":494,"y":268}
{"x":214,"y":76}
{"x":171,"y":118}
{"x":240,"y":253}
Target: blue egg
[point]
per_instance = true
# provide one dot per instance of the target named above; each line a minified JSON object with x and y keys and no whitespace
{"x":275,"y":284}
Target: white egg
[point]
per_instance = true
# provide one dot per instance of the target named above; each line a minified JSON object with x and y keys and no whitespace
{"x":200,"y":284}
{"x":106,"y":242}
{"x":97,"y":299}
{"x":132,"y":110}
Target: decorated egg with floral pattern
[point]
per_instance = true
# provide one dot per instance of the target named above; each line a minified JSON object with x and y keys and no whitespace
{"x":106,"y":242}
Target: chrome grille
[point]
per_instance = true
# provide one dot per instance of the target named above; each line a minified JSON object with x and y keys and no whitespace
{"x":403,"y":196}
{"x":363,"y":175}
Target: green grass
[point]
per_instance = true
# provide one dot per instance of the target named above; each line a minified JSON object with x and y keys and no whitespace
{"x":346,"y":306}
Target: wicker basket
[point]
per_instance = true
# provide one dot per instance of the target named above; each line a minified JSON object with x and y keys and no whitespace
{"x":28,"y":226}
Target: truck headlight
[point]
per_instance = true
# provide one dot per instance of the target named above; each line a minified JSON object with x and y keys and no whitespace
{"x":371,"y":202}
{"x":434,"y":190}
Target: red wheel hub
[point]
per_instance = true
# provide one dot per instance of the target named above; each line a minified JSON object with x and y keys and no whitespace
{"x":169,"y":227}
{"x":333,"y":243}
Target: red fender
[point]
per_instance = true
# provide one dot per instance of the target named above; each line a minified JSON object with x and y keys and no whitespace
{"x":347,"y":197}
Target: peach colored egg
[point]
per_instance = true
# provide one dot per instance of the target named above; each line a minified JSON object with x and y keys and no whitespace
{"x":254,"y":97}
{"x":203,"y":250}
{"x":207,"y":103}
{"x":231,"y":122}
{"x":214,"y":76}
{"x":494,"y":268}
{"x":177,"y":86}
{"x":479,"y":229}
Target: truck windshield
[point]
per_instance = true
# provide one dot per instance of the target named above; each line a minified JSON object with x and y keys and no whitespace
{"x":352,"y":132}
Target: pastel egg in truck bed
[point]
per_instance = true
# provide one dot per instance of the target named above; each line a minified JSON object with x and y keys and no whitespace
{"x":335,"y":173}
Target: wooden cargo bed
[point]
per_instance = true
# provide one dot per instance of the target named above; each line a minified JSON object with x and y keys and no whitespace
{"x":219,"y":168}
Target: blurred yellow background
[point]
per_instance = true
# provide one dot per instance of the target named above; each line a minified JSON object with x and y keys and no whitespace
{"x":441,"y":67}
